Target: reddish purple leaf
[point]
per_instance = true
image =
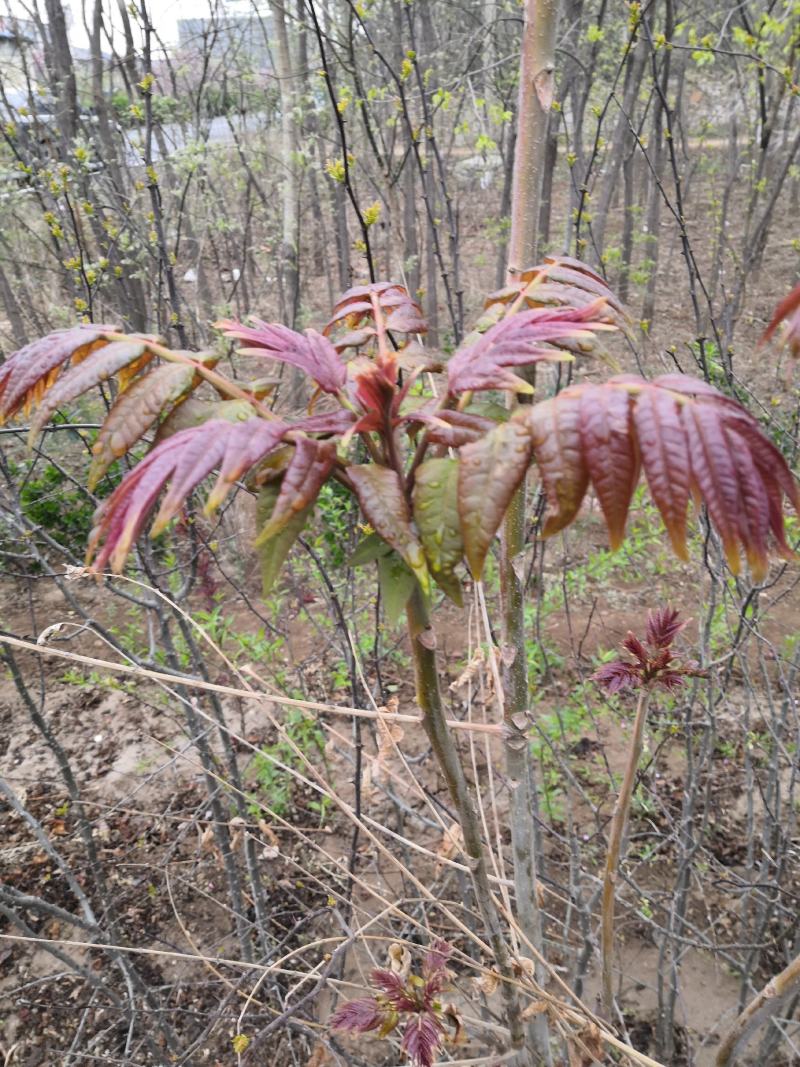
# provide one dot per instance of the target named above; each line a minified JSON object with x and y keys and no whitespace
{"x":664,"y":449}
{"x":98,"y":366}
{"x":311,"y":352}
{"x":358,"y":1016}
{"x":520,"y":341}
{"x":633,"y":645}
{"x":612,"y":463}
{"x":308,"y":470}
{"x":663,"y":626}
{"x":616,"y":676}
{"x":689,"y":437}
{"x":491,"y":471}
{"x":355,"y":308}
{"x":382,"y":498}
{"x":335,"y":422}
{"x":452,"y":428}
{"x":555,"y":428}
{"x":28,"y":373}
{"x":422,"y":1037}
{"x":183,"y":460}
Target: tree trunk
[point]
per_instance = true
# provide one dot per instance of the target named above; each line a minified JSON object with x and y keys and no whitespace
{"x":62,"y":72}
{"x":536,"y":86}
{"x":537,"y":77}
{"x":289,"y":258}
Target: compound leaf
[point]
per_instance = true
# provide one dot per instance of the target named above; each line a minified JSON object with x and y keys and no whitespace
{"x":134,"y":412}
{"x":490,"y":471}
{"x":28,"y":373}
{"x":310,"y":351}
{"x":521,"y":340}
{"x":383,"y":502}
{"x":307,"y":472}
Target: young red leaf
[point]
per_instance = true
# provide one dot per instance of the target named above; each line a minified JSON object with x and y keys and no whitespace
{"x":618,"y":675}
{"x":184,"y":460}
{"x":383,"y":502}
{"x":611,"y":459}
{"x":490,"y":472}
{"x":663,"y":626}
{"x":520,"y":341}
{"x":134,"y":412}
{"x":689,"y":437}
{"x":452,"y":428}
{"x":358,"y":1016}
{"x":633,"y":645}
{"x":355,"y":308}
{"x":336,"y":422}
{"x":98,"y":366}
{"x":28,"y":373}
{"x":246,"y":444}
{"x":558,"y":444}
{"x":308,"y":470}
{"x":422,"y":1036}
{"x":311,"y":352}
{"x":664,"y":448}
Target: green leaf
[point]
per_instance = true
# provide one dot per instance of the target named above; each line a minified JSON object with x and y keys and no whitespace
{"x":490,"y":471}
{"x":368,"y":550}
{"x":383,"y":502}
{"x":397,"y":584}
{"x":194,"y":412}
{"x":436,"y":515}
{"x":273,"y":552}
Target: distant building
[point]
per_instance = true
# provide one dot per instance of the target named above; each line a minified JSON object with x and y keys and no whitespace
{"x":237,"y":39}
{"x":17,"y":37}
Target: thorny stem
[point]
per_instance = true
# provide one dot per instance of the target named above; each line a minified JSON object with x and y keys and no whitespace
{"x":619,"y":822}
{"x":444,"y":749}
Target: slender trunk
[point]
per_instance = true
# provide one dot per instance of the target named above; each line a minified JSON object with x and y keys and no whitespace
{"x":628,"y":212}
{"x":615,"y":154}
{"x":619,"y":823}
{"x":444,"y":749}
{"x":537,"y":77}
{"x":659,"y":156}
{"x":518,"y":756}
{"x":546,"y":204}
{"x":536,"y":85}
{"x":12,"y":308}
{"x":289,"y":260}
{"x":62,"y":72}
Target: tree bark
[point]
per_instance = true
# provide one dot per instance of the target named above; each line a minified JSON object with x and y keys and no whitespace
{"x":289,"y":257}
{"x":536,"y":86}
{"x":537,"y":78}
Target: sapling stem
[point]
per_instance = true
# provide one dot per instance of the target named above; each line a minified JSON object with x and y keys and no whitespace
{"x":619,"y":822}
{"x":446,"y":754}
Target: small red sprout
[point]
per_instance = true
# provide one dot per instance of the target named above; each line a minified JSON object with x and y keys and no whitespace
{"x":410,"y":1002}
{"x":655,"y":665}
